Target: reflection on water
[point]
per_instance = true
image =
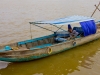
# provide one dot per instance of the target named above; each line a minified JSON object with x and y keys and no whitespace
{"x":3,"y":64}
{"x":65,"y":63}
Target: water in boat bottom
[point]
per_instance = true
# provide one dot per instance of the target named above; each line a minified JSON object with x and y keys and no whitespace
{"x":82,"y":60}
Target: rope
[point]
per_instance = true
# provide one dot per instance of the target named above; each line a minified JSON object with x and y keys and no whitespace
{"x":30,"y":31}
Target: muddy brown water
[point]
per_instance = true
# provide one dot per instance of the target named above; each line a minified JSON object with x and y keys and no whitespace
{"x":15,"y":16}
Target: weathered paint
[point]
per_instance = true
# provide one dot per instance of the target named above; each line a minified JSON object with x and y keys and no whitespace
{"x":31,"y":57}
{"x":19,"y":56}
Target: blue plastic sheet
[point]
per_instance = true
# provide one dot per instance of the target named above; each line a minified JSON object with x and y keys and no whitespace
{"x":65,"y":21}
{"x":89,"y":27}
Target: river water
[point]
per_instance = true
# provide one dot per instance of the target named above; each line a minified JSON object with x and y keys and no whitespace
{"x":15,"y":16}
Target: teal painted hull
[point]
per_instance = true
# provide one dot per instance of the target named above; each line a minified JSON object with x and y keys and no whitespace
{"x":22,"y":59}
{"x":31,"y":57}
{"x":27,"y":55}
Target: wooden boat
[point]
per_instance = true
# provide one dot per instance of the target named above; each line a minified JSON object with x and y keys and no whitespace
{"x":36,"y":48}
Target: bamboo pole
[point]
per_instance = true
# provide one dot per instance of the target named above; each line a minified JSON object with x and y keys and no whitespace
{"x":95,"y":9}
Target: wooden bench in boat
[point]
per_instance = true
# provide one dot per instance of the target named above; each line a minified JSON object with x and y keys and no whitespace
{"x":41,"y":46}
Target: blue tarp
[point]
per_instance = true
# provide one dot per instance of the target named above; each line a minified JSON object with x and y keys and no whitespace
{"x":87,"y":23}
{"x":89,"y":27}
{"x":64,"y":21}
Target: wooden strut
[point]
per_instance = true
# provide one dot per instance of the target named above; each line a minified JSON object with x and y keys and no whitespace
{"x":95,"y":9}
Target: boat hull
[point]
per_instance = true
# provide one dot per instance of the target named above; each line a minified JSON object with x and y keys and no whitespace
{"x":27,"y":55}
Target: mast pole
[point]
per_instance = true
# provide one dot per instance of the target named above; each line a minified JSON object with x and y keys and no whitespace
{"x":95,"y":9}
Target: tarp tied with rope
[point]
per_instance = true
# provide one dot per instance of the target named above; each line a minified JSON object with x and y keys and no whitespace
{"x":64,"y":21}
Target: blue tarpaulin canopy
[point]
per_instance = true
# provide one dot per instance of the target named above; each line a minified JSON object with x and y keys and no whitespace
{"x":64,"y":21}
{"x":87,"y":23}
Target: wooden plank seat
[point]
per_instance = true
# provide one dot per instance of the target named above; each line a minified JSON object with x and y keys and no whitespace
{"x":41,"y":46}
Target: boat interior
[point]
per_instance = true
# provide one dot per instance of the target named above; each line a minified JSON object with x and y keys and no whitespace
{"x":43,"y":41}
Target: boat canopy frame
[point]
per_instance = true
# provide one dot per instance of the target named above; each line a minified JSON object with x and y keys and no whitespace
{"x":69,"y":20}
